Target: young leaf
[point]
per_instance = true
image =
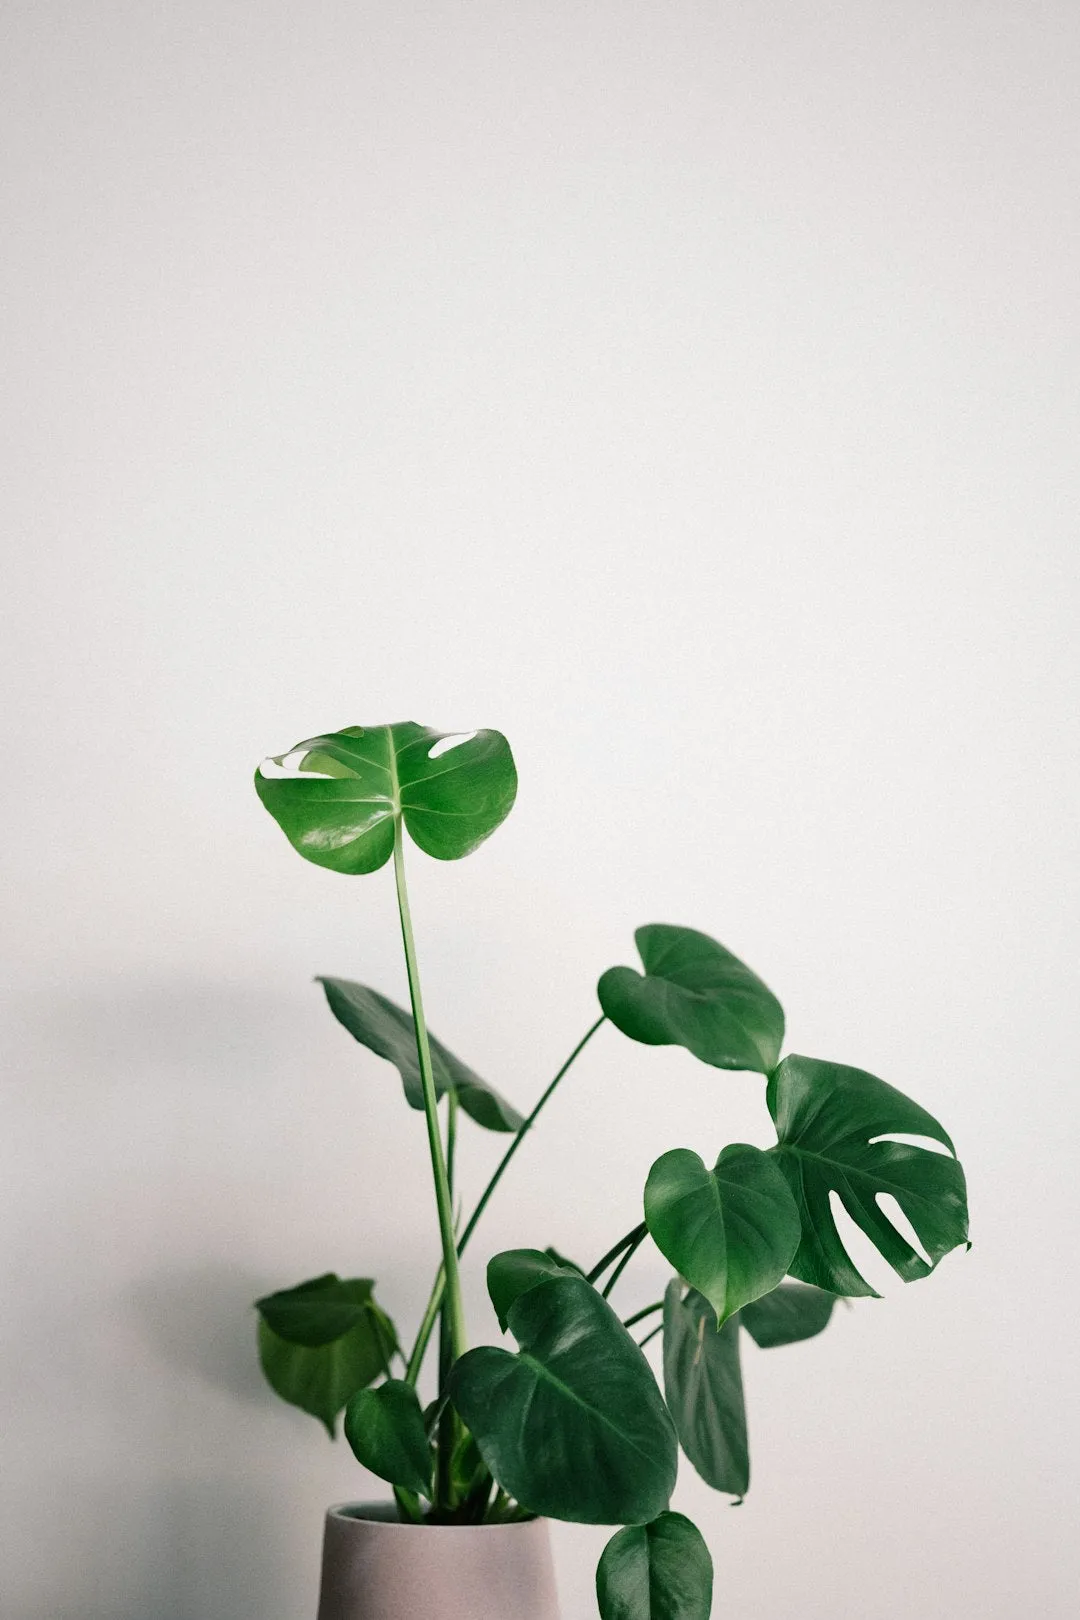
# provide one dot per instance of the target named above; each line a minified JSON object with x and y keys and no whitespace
{"x":388,"y":1030}
{"x":320,"y":1379}
{"x":515,"y":1271}
{"x":694,"y":993}
{"x":340,"y":812}
{"x":573,"y":1425}
{"x":732,"y":1231}
{"x":792,"y":1312}
{"x":385,"y":1428}
{"x":703,"y":1385}
{"x":657,"y":1571}
{"x":829,"y":1120}
{"x":317,"y":1312}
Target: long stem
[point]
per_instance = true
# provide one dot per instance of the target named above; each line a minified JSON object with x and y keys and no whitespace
{"x":631,"y":1249}
{"x":412,"y":1371}
{"x":639,"y":1316}
{"x":443,"y":1200}
{"x":658,"y":1329}
{"x":634,"y":1236}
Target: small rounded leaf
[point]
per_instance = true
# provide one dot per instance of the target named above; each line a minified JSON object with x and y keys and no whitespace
{"x":694,"y":993}
{"x":732,"y":1231}
{"x":385,"y":1428}
{"x":657,"y":1571}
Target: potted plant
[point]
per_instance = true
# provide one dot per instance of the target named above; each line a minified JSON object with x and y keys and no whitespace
{"x":572,"y":1423}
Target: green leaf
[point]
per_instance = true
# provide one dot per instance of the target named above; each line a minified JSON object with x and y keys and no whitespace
{"x":340,"y":811}
{"x":572,"y":1426}
{"x":319,"y":1311}
{"x":703,"y":1385}
{"x":792,"y":1312}
{"x":657,"y":1571}
{"x":694,"y":993}
{"x":385,"y":1428}
{"x":388,"y":1030}
{"x":732,"y":1232}
{"x":319,"y":1375}
{"x":515,"y":1271}
{"x":829,"y":1121}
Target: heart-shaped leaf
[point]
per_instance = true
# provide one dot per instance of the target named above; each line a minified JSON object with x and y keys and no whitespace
{"x":385,"y":1428}
{"x":791,"y":1313}
{"x":703,"y":1385}
{"x":317,"y":1312}
{"x":388,"y":1030}
{"x":732,"y":1231}
{"x":320,"y":1378}
{"x":657,"y":1571}
{"x":830,"y":1121}
{"x":694,"y":993}
{"x":572,"y":1426}
{"x":514,"y":1271}
{"x":340,"y":810}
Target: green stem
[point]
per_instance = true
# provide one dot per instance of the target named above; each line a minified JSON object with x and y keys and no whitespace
{"x":423,"y":1337}
{"x":634,"y":1236}
{"x":639,"y":1316}
{"x":443,"y":1200}
{"x":659,"y":1328}
{"x":631,"y":1249}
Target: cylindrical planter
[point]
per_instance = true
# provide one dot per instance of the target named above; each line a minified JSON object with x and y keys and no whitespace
{"x":377,"y":1568}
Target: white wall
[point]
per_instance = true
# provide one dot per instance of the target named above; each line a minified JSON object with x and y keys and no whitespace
{"x":689,"y":390}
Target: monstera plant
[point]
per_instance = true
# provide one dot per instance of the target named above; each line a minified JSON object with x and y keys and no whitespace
{"x":572,"y":1423}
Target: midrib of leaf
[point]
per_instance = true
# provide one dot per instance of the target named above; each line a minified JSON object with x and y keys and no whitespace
{"x":571,"y":1394}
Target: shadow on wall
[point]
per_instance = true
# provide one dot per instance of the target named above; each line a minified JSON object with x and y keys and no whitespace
{"x":202,"y":1323}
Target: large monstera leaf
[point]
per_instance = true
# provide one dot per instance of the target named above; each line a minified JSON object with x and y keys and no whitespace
{"x":322,"y":1341}
{"x":731,"y":1231}
{"x":694,"y":993}
{"x":704,"y":1389}
{"x":573,"y":1426}
{"x":830,"y":1121}
{"x":341,"y":809}
{"x":389,"y":1031}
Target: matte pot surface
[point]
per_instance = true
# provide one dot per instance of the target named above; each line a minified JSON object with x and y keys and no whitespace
{"x":377,"y":1568}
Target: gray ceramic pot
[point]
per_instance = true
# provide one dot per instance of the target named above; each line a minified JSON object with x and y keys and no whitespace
{"x":376,"y":1568}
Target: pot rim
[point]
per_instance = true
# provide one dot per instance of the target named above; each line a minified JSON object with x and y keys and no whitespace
{"x":386,"y":1513}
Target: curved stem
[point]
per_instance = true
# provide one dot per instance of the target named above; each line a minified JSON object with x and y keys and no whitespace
{"x":634,"y":1236}
{"x":659,"y":1328}
{"x":631,"y":1249}
{"x":431,"y":1311}
{"x":455,"y":1308}
{"x":639,"y":1316}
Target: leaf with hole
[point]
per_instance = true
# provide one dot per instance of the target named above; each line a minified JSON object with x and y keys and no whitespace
{"x":657,"y":1571}
{"x":731,"y":1231}
{"x":830,"y":1123}
{"x":573,"y":1425}
{"x":351,"y":785}
{"x":694,"y":993}
{"x":704,"y":1389}
{"x":791,"y":1313}
{"x":385,"y":1428}
{"x":388,"y":1030}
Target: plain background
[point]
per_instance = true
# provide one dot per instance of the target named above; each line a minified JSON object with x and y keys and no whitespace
{"x":691,"y":391}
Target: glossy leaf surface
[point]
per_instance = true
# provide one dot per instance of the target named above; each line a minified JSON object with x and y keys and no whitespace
{"x":514,"y":1271}
{"x":657,"y":1571}
{"x":731,"y":1231}
{"x":791,"y":1313}
{"x":694,"y":993}
{"x":340,"y":811}
{"x":320,"y":1379}
{"x":704,"y":1389}
{"x":572,"y":1426}
{"x":316,"y":1312}
{"x":388,"y":1030}
{"x":385,"y":1428}
{"x":829,"y":1119}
